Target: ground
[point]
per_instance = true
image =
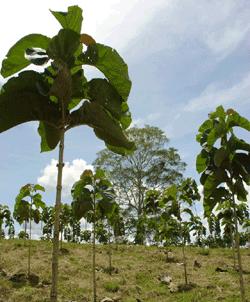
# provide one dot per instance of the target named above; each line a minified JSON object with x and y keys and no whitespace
{"x":136,"y":279}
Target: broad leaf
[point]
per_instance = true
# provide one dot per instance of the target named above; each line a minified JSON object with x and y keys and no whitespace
{"x":71,"y":19}
{"x":201,"y":161}
{"x":38,"y":187}
{"x":240,"y":190}
{"x":102,"y":92}
{"x":21,"y":102}
{"x":108,"y":61}
{"x":235,"y":120}
{"x":50,"y":136}
{"x":21,"y":107}
{"x":15,"y":58}
{"x":105,"y":127}
{"x":219,"y":156}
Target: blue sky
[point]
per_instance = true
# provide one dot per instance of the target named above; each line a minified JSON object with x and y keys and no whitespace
{"x":185,"y":57}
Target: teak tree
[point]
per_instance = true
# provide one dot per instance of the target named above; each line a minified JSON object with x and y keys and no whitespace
{"x":224,"y":162}
{"x":29,"y":207}
{"x":51,"y":96}
{"x":93,"y":199}
{"x":182,"y":197}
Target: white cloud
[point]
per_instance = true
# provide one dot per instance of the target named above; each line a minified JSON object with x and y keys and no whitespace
{"x":213,"y":96}
{"x":71,"y":173}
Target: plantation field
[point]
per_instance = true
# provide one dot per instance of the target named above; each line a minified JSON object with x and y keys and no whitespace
{"x":136,"y":278}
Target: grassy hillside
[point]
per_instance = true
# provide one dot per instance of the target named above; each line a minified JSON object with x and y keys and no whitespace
{"x":139,"y":269}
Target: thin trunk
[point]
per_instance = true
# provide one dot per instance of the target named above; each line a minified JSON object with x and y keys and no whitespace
{"x":29,"y":253}
{"x":110,"y":253}
{"x":233,"y":246}
{"x":61,"y":241}
{"x":93,"y":264}
{"x":25,"y":228}
{"x":55,"y":251}
{"x":237,"y":244}
{"x":184,"y":261}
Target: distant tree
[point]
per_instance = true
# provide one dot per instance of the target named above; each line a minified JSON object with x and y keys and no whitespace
{"x":23,"y":235}
{"x":5,"y":218}
{"x":85,"y":235}
{"x":152,"y":165}
{"x":48,"y":221}
{"x":28,"y":207}
{"x":65,"y":219}
{"x":224,"y":162}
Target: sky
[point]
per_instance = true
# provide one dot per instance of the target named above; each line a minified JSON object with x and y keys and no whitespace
{"x":185,"y":57}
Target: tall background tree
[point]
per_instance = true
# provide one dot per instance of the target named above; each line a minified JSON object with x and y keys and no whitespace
{"x":152,"y":165}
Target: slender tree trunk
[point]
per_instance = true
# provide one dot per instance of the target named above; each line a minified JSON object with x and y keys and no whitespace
{"x":110,"y":253}
{"x":237,"y":244}
{"x":55,"y":251}
{"x":233,"y":246}
{"x":1,"y":233}
{"x":184,"y":261}
{"x":93,"y":264}
{"x":25,"y":228}
{"x":61,"y":241}
{"x":29,"y":252}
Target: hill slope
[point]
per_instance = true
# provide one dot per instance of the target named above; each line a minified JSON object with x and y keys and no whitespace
{"x":137,"y":276}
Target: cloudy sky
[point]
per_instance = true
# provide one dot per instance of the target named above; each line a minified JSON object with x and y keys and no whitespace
{"x":185,"y":57}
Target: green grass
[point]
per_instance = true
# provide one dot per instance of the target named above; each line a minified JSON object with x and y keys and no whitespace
{"x":139,"y":269}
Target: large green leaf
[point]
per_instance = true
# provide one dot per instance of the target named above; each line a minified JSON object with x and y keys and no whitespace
{"x":241,"y":170}
{"x":38,"y":187}
{"x":244,"y":160}
{"x":217,"y":131}
{"x":235,"y":144}
{"x":102,"y":92}
{"x":108,"y":61}
{"x":105,"y":127}
{"x":236,"y":120}
{"x":15,"y":59}
{"x":219,"y":156}
{"x":28,"y":80}
{"x":213,"y":180}
{"x":21,"y":102}
{"x":20,"y":107}
{"x":50,"y":136}
{"x":240,"y":190}
{"x":201,"y":161}
{"x":71,"y":19}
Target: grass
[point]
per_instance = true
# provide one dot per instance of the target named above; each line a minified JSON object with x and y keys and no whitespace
{"x":137,"y":277}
